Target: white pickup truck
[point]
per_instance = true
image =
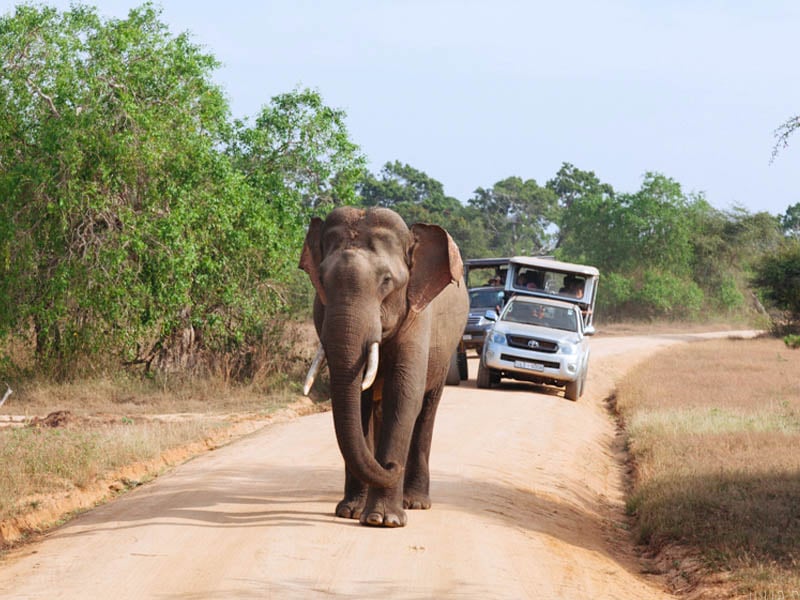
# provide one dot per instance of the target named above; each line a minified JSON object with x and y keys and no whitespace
{"x":540,"y":335}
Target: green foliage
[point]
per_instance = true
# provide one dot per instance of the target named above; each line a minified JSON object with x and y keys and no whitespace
{"x":132,"y":208}
{"x":516,"y":216}
{"x":792,"y":341}
{"x":663,"y":294}
{"x":419,"y":198}
{"x":298,"y":154}
{"x":777,"y":275}
{"x":615,"y":295}
{"x":790,"y":221}
{"x":729,"y":297}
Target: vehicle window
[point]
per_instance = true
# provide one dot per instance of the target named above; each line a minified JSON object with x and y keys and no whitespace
{"x":486,"y":298}
{"x":572,"y":286}
{"x":532,"y":313}
{"x":566,"y":319}
{"x":530,"y":279}
{"x":484,"y":276}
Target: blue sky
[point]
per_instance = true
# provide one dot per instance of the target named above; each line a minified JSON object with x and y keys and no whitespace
{"x":472,"y":92}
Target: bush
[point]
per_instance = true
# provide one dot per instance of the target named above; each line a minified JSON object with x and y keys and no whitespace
{"x":777,"y":276}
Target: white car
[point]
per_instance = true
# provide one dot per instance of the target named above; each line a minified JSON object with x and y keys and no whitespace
{"x":540,"y":340}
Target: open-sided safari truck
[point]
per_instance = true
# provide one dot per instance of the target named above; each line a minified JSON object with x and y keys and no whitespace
{"x":549,"y":278}
{"x":529,"y":275}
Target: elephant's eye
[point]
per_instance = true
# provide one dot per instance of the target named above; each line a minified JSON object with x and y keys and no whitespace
{"x":387,"y":279}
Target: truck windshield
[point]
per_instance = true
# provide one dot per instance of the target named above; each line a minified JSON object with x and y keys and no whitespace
{"x":545,"y":315}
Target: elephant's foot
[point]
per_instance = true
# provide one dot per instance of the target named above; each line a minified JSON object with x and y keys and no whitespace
{"x":350,"y":508}
{"x":381,"y":513}
{"x":416,"y":500}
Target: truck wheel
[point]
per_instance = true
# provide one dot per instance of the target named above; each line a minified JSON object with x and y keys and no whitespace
{"x":453,"y":374}
{"x":484,"y":376}
{"x":463,"y":367}
{"x":573,"y":389}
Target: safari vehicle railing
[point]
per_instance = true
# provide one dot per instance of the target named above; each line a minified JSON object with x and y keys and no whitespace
{"x":550,"y":278}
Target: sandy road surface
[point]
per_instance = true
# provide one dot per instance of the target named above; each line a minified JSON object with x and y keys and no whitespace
{"x":527,"y":504}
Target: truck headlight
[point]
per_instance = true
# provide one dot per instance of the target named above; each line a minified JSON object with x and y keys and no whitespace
{"x":568,"y":348}
{"x":498,"y":338}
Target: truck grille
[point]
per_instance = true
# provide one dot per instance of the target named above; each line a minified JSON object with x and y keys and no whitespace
{"x":529,"y":343}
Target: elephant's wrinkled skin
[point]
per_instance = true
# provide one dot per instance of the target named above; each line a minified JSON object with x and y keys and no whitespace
{"x":379,"y":281}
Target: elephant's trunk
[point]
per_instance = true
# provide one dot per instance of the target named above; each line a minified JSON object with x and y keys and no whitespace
{"x":347,"y":355}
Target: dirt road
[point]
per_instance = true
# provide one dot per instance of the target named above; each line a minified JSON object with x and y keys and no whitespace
{"x":527,"y":504}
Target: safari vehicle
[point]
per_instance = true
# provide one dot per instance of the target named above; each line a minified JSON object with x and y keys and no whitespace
{"x":481,"y":300}
{"x":538,"y":340}
{"x":548,"y":278}
{"x":485,"y":278}
{"x":541,"y":334}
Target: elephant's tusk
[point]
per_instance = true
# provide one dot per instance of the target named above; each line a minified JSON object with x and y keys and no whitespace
{"x":372,"y":367}
{"x":9,"y":391}
{"x":314,"y":370}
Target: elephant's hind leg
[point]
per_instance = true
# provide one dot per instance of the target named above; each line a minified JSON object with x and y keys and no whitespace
{"x":416,"y":487}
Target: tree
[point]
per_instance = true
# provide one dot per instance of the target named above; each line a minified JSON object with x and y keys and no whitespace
{"x":299,"y":150}
{"x":136,"y":221}
{"x":517,"y":215}
{"x":790,"y":221}
{"x":419,"y":198}
{"x":778,"y":277}
{"x":572,"y":186}
{"x":400,"y":185}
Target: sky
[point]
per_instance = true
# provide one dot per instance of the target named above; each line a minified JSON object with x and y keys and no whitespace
{"x":472,"y":92}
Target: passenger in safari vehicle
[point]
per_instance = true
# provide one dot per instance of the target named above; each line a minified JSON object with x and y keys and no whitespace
{"x":530,"y":280}
{"x":573,"y":286}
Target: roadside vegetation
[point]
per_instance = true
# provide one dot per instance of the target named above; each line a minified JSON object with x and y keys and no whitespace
{"x":716,"y":464}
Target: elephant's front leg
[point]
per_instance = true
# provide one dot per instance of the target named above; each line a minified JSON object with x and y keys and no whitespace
{"x":400,"y":406}
{"x":355,"y":491}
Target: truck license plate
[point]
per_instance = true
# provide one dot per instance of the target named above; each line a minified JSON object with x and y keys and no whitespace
{"x":521,"y":364}
{"x":467,"y":336}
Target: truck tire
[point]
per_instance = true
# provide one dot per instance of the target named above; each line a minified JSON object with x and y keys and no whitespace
{"x":453,"y":373}
{"x":573,"y":390}
{"x":463,"y":367}
{"x":485,"y":378}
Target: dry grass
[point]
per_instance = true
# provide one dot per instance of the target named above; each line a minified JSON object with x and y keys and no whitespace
{"x":41,"y":461}
{"x":714,"y":431}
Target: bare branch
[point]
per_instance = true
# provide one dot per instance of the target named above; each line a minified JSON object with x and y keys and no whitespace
{"x":782,"y":133}
{"x":49,"y":100}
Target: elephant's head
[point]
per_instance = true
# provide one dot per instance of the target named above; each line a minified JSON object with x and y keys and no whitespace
{"x":371,"y":273}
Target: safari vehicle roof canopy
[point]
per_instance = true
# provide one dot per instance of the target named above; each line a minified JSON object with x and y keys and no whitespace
{"x":550,"y":278}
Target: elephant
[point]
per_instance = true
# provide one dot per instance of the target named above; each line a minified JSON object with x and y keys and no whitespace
{"x":390,"y":309}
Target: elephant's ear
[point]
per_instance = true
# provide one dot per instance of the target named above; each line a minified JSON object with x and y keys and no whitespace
{"x":311,"y":256}
{"x":435,"y":263}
